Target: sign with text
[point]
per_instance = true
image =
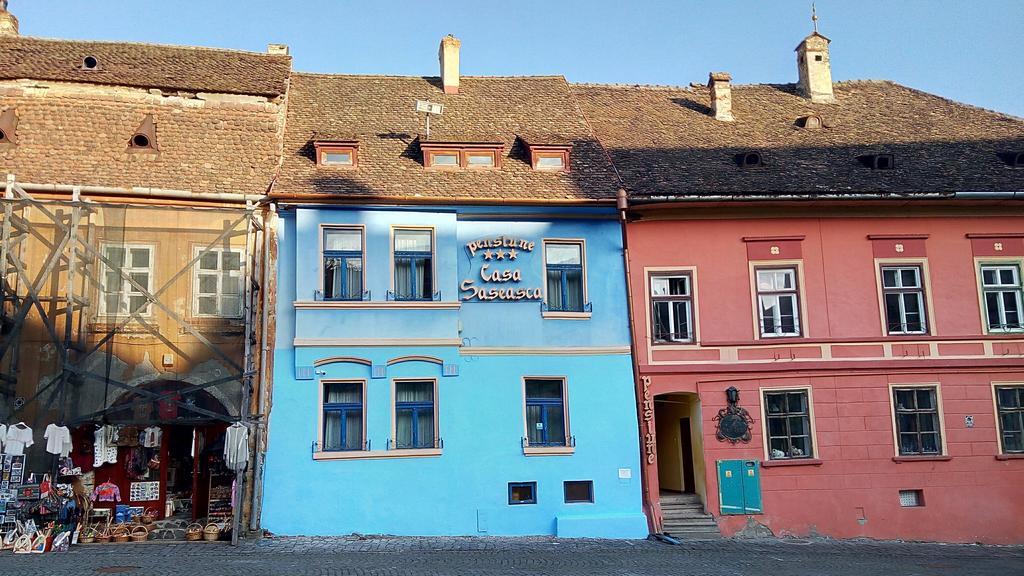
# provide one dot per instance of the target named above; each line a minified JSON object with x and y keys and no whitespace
{"x":498,"y":281}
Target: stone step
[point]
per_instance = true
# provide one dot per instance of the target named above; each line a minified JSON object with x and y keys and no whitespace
{"x":679,"y":497}
{"x":695,"y":521}
{"x":682,"y":506}
{"x":693,"y":534}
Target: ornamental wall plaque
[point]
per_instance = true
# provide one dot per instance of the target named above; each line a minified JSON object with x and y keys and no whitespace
{"x":732,"y":421}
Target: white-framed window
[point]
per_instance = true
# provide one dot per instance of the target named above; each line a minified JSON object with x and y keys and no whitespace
{"x":672,"y":308}
{"x":117,"y":294}
{"x":903,"y":297}
{"x":564,"y":263}
{"x":778,"y":302}
{"x":217,"y":283}
{"x":1001,"y":291}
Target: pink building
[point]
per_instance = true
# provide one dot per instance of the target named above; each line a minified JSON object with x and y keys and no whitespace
{"x":844,"y":262}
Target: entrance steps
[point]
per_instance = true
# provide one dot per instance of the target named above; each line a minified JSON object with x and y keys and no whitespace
{"x":683,"y":517}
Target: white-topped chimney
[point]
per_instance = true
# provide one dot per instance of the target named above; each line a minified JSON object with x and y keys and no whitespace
{"x":448,"y":54}
{"x":720,"y":86}
{"x":277,"y":49}
{"x":8,"y":23}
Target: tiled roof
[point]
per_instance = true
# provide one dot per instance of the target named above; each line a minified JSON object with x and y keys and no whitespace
{"x":665,"y":142}
{"x":172,"y":68}
{"x":379,"y":112}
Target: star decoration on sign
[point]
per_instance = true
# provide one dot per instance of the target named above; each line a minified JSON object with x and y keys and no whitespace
{"x":501,"y":254}
{"x":488,"y":255}
{"x":512,"y":254}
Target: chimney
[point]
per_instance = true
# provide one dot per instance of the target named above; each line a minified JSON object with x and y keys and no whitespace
{"x":813,"y":65}
{"x":719,"y":83}
{"x":8,"y":23}
{"x":277,"y":49}
{"x":448,"y":54}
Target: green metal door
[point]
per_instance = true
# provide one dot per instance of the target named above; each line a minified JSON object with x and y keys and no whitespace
{"x":739,"y":487}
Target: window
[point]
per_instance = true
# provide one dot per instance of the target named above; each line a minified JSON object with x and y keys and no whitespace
{"x":550,"y":156}
{"x":118,"y":295}
{"x":480,"y":159}
{"x":522,"y":493}
{"x":414,"y":265}
{"x":1010,"y":405}
{"x":415,"y":414}
{"x":787,"y":418}
{"x":337,"y":153}
{"x":917,"y":421}
{"x":911,"y":498}
{"x":337,"y":158}
{"x":343,"y":264}
{"x":903,"y":294}
{"x":577,"y":491}
{"x":550,"y":162}
{"x":564,"y":266}
{"x":444,"y":159}
{"x":217,"y":284}
{"x":545,"y":412}
{"x":672,"y":308}
{"x":778,"y":304}
{"x":343,"y":416}
{"x":1001,"y":289}
{"x":750,"y":160}
{"x":455,"y":155}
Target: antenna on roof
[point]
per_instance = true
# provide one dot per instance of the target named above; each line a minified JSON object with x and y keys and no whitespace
{"x":814,"y":17}
{"x":430,"y":108}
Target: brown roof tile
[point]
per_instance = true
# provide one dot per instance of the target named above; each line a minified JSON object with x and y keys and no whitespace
{"x":665,"y":142}
{"x":379,"y":112}
{"x":145,"y":66}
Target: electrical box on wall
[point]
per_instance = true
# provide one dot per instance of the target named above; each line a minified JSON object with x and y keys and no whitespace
{"x":739,"y":486}
{"x":168,"y":360}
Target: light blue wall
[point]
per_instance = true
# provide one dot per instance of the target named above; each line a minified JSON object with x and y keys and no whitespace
{"x":481,"y":414}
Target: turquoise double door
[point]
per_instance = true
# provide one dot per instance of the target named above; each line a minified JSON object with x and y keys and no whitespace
{"x":739,"y":486}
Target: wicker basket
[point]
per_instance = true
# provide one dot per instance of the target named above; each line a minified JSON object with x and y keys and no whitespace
{"x":148,"y":517}
{"x":139,"y":533}
{"x":121,"y":534}
{"x":211,"y":532}
{"x":194,"y":532}
{"x":87,"y":535}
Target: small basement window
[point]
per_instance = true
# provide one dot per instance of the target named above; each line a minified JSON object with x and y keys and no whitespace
{"x":336,"y":154}
{"x":579,"y":491}
{"x":522,"y":493}
{"x":911,"y":498}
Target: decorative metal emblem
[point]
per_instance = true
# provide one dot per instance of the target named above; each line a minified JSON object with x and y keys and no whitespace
{"x":733,"y":422}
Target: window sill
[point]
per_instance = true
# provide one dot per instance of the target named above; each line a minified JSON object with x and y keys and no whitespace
{"x":566,"y":315}
{"x":372,"y":454}
{"x":1009,"y":456}
{"x":549,"y":450}
{"x":379,"y":305}
{"x":936,"y":458}
{"x":792,"y":462}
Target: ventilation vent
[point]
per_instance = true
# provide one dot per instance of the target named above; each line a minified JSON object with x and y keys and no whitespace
{"x":303,"y":372}
{"x":8,"y":127}
{"x":749,"y":160}
{"x":878,"y":161}
{"x":144,"y":138}
{"x":911,"y":498}
{"x":450,"y":370}
{"x":90,"y":63}
{"x":1013,"y":159}
{"x":379,"y":371}
{"x":812,"y":122}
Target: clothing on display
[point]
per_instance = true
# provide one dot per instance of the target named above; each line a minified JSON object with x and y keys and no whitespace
{"x":106,"y":492}
{"x":236,"y":447}
{"x":151,"y":437}
{"x":3,"y":436}
{"x":18,"y":437}
{"x":58,"y":440}
{"x":103,"y":450}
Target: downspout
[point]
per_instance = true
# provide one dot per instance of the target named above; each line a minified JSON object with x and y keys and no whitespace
{"x":653,"y":523}
{"x":141,"y":192}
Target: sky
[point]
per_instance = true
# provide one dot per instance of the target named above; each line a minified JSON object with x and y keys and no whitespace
{"x":966,"y":50}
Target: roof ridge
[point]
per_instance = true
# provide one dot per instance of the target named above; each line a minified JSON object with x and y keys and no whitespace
{"x":153,"y":45}
{"x":423,"y":77}
{"x":955,"y":102}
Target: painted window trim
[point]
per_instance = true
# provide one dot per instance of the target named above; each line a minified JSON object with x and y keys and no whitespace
{"x":979,"y":262}
{"x":337,"y":454}
{"x":433,"y":261}
{"x":812,"y":458}
{"x":323,"y":229}
{"x":998,"y":421}
{"x":565,"y":496}
{"x":196,"y":249}
{"x":926,"y":293}
{"x":691,"y":311}
{"x":345,"y":146}
{"x":944,"y":453}
{"x":564,"y":314}
{"x":801,"y":300}
{"x":545,"y":450}
{"x":522,"y":502}
{"x":377,"y":454}
{"x":462,"y":152}
{"x":696,"y":344}
{"x":394,"y":418}
{"x":101,"y":311}
{"x":538,"y":151}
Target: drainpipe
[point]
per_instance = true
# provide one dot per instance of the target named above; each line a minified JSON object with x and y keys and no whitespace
{"x":653,"y":524}
{"x":141,"y":192}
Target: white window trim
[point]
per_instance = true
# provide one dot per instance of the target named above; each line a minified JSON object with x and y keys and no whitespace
{"x":544,"y":278}
{"x":694,"y":312}
{"x":997,"y":261}
{"x":687,"y":298}
{"x":765,"y":444}
{"x":240,"y":274}
{"x":323,"y":229}
{"x":391,"y":259}
{"x":548,"y":450}
{"x":125,"y":286}
{"x":926,"y":287}
{"x":801,"y":300}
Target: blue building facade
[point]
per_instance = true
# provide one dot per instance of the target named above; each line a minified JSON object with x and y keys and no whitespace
{"x":468,"y":374}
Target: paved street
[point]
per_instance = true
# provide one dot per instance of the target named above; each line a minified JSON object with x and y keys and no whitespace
{"x":494,"y":556}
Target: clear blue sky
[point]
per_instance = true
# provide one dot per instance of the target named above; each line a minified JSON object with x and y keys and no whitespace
{"x":967,"y":50}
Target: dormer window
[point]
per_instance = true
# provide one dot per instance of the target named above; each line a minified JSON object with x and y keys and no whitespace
{"x":457,"y":155}
{"x":750,"y":160}
{"x":548,"y":155}
{"x":336,"y":153}
{"x":1013,"y":159}
{"x":812,"y":122}
{"x":878,"y":161}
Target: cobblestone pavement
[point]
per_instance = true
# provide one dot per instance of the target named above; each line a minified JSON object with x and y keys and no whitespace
{"x":522,"y":556}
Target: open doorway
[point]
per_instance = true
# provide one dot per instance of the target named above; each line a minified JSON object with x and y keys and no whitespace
{"x":680,"y":444}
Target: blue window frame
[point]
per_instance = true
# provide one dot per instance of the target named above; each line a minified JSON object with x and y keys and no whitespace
{"x":414,"y":264}
{"x":415,"y":414}
{"x":522,"y":493}
{"x":545,"y":412}
{"x":343,"y":416}
{"x":343,"y":264}
{"x":564,"y":265}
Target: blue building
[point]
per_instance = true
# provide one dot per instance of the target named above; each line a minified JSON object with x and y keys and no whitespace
{"x":452,"y":350}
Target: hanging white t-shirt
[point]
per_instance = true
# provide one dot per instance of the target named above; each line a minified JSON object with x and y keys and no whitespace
{"x":18,"y":439}
{"x":236,"y":447}
{"x":3,"y":436}
{"x":103,"y":452}
{"x":58,"y":440}
{"x":151,"y":437}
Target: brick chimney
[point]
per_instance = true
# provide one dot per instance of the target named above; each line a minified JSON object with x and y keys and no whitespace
{"x":8,"y":23}
{"x":277,"y":49}
{"x":720,"y":85}
{"x":448,"y":54}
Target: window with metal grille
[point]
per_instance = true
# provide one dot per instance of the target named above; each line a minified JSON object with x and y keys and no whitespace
{"x":415,"y":414}
{"x":578,"y":491}
{"x":671,"y":308}
{"x":118,"y":294}
{"x":917,"y":421}
{"x":1001,"y":288}
{"x":911,"y":498}
{"x":343,"y":416}
{"x":778,"y":302}
{"x":217,"y":283}
{"x":903,"y":295}
{"x":414,"y":264}
{"x":564,"y":265}
{"x":545,"y":412}
{"x":788,"y":420}
{"x":522,"y":493}
{"x":1010,"y":405}
{"x":343,"y":264}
